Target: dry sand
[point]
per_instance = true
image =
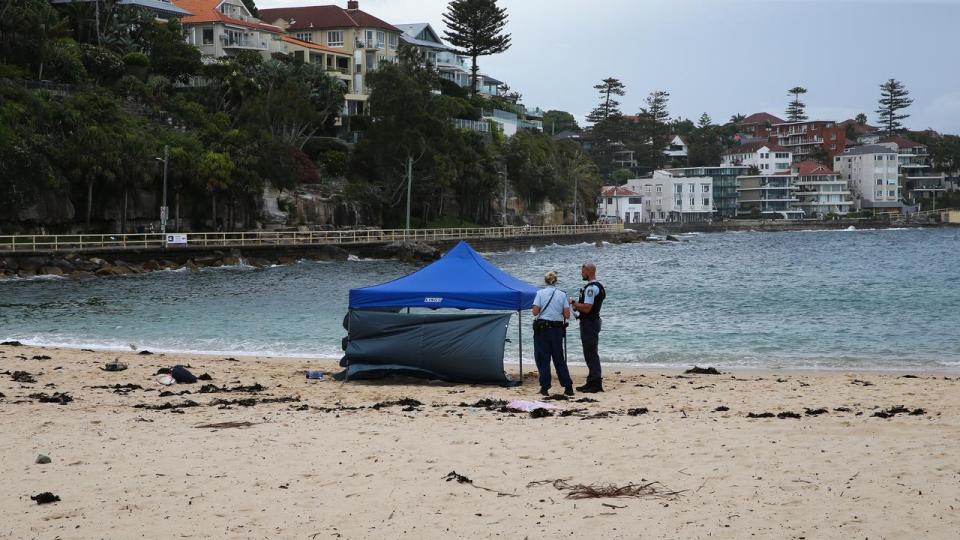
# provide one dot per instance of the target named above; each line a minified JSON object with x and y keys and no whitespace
{"x":314,"y":468}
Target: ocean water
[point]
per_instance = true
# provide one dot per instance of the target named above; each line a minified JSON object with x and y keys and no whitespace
{"x":853,"y":299}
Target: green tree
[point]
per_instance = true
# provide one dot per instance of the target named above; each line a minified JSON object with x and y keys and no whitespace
{"x":893,"y":99}
{"x":737,"y":118}
{"x":656,"y":129}
{"x":136,"y":167}
{"x":556,"y":121}
{"x":796,"y":108}
{"x":215,"y":169}
{"x":861,"y":119}
{"x":531,"y":167}
{"x":475,"y":28}
{"x":608,"y":107}
{"x":580,"y":178}
{"x":620,"y":177}
{"x":820,"y":155}
{"x":704,"y":121}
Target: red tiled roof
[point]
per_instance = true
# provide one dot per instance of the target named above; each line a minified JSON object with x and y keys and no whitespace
{"x":761,"y":118}
{"x":206,"y":11}
{"x":749,"y":148}
{"x":313,"y":46}
{"x":307,"y":17}
{"x":901,"y":142}
{"x":812,"y":168}
{"x":615,"y":191}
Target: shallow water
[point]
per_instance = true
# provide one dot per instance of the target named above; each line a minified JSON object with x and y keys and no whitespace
{"x":883,"y":299}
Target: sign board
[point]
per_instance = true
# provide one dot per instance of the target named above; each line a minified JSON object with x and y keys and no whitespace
{"x":176,"y":240}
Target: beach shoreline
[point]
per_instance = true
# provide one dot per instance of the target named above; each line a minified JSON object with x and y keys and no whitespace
{"x":264,"y":452}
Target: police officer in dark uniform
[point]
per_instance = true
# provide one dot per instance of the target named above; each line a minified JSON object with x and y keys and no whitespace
{"x":587,"y":310}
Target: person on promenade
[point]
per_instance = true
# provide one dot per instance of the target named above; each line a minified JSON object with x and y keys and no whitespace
{"x":549,"y":328}
{"x":587,"y":309}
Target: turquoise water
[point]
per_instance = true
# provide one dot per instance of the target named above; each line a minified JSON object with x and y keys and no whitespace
{"x":884,"y":299}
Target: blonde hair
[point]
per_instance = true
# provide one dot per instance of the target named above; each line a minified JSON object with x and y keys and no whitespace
{"x":550,"y":277}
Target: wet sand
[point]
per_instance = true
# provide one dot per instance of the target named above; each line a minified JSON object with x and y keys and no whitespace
{"x":318,"y":459}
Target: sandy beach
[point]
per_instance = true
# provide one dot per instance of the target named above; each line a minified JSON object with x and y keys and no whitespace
{"x":321,"y":459}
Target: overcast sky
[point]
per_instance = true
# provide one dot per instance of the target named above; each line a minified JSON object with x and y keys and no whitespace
{"x":721,"y":56}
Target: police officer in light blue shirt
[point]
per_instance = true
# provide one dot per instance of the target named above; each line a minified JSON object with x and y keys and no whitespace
{"x":551,"y":311}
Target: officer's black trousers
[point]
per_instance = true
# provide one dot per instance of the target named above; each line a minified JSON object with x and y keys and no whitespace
{"x":590,"y":338}
{"x":547,"y":344}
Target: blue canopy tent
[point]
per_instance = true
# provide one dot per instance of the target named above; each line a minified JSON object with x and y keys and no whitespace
{"x":461,"y":279}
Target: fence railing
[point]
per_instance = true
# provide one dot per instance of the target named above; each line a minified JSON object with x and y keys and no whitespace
{"x":89,"y":242}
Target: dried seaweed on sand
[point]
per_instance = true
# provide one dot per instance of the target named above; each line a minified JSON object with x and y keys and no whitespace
{"x":646,"y":490}
{"x":463,"y":479}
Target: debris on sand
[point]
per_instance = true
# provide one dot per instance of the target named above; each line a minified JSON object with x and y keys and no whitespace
{"x":405,"y":402}
{"x":900,"y":409}
{"x":57,"y":397}
{"x":462,"y":479}
{"x":540,"y":413}
{"x":638,"y":411}
{"x":646,"y":490}
{"x":695,"y":370}
{"x":907,"y":377}
{"x":116,"y":365}
{"x":585,"y":400}
{"x":144,"y":353}
{"x":486,"y":403}
{"x":761,"y":415}
{"x":40,"y":357}
{"x":722,"y":408}
{"x":42,"y":459}
{"x":843,"y":409}
{"x":45,"y":498}
{"x":123,"y":389}
{"x":166,"y":406}
{"x":861,"y":382}
{"x":250,"y":402}
{"x":214,"y":389}
{"x":205,"y":377}
{"x":226,"y":425}
{"x":23,"y":377}
{"x":787,"y":414}
{"x":814,"y":412}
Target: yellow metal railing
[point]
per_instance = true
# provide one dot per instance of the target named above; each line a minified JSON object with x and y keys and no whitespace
{"x":86,"y":242}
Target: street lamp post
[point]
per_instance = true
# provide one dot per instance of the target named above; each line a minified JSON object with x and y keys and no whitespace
{"x":164,"y":211}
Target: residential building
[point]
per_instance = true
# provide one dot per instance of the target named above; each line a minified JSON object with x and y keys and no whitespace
{"x":820,"y":191}
{"x":913,"y":157}
{"x":862,"y":133}
{"x":619,"y":205}
{"x":923,"y":191}
{"x":448,"y":63}
{"x":724,"y":185}
{"x":161,"y":9}
{"x":872,"y":173}
{"x":801,"y":138}
{"x":757,"y":127}
{"x":367,"y":39}
{"x":335,"y":61}
{"x":676,"y":199}
{"x":766,"y":157}
{"x":677,"y":150}
{"x":222,"y":28}
{"x":767,"y":196}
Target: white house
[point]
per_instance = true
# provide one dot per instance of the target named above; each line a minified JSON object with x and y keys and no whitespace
{"x":669,"y":198}
{"x":225,"y":27}
{"x":767,"y":157}
{"x":619,"y":205}
{"x":820,"y":192}
{"x":872,"y":173}
{"x":677,"y":149}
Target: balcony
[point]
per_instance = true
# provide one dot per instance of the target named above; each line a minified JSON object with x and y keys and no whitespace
{"x":371,"y":44}
{"x":229,"y":43}
{"x":339,"y":69}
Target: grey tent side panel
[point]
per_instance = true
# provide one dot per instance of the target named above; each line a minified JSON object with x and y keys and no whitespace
{"x":453,"y":347}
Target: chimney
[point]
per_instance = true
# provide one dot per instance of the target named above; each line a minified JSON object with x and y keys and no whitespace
{"x":353,"y":4}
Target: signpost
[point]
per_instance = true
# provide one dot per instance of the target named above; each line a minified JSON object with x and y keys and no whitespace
{"x":176,"y":240}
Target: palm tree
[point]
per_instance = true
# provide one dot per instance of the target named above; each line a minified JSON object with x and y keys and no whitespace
{"x":737,"y":118}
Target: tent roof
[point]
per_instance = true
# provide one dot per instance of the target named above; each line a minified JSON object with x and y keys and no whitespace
{"x":460,"y":279}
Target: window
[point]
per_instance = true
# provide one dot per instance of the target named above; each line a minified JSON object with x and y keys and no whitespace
{"x":609,"y":200}
{"x":393,"y":41}
{"x":833,"y":136}
{"x":208,"y":36}
{"x":648,"y":203}
{"x":879,"y":181}
{"x":679,"y":202}
{"x":381,"y":38}
{"x":659,"y":188}
{"x":678,"y":188}
{"x":833,"y":147}
{"x":693,"y":201}
{"x":661,"y":215}
{"x":878,"y":158}
{"x":304,"y":36}
{"x":706,"y":202}
{"x":659,"y":203}
{"x":634,"y":200}
{"x":892,"y":193}
{"x":782,"y":155}
{"x":706,"y":188}
{"x":335,"y":38}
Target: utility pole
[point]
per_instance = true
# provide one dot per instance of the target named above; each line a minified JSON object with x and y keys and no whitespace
{"x":409,"y":186}
{"x":164,"y":210}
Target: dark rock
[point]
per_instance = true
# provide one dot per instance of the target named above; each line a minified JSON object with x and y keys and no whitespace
{"x":31,"y":263}
{"x":151,"y":266}
{"x":638,"y":412}
{"x":205,"y":377}
{"x":45,"y":498}
{"x":231,"y":261}
{"x":540,"y":413}
{"x":12,"y":343}
{"x":57,"y":397}
{"x":23,"y":377}
{"x":286,"y":260}
{"x":82,"y":274}
{"x":144,"y":353}
{"x":50,"y":271}
{"x":42,"y":460}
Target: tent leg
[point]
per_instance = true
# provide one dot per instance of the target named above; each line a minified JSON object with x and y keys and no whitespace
{"x":520,"y":341}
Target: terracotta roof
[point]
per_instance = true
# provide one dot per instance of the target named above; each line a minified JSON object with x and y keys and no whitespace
{"x":206,"y":11}
{"x":859,"y":128}
{"x":750,"y":148}
{"x":615,"y":191}
{"x":314,"y":46}
{"x":901,"y":142}
{"x":761,"y":118}
{"x":306,"y":17}
{"x":812,"y":168}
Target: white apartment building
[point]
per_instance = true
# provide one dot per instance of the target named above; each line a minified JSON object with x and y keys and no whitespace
{"x":768,"y":158}
{"x":872,"y":173}
{"x":221,"y":28}
{"x":677,"y":149}
{"x":674,"y":199}
{"x":619,"y":205}
{"x":820,"y":192}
